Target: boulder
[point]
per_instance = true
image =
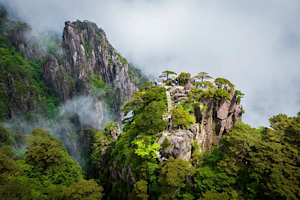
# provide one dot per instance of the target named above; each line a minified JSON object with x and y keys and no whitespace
{"x":180,"y":144}
{"x":188,"y":86}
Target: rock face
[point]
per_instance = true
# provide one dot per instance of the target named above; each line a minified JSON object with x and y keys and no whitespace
{"x":52,"y":74}
{"x":179,"y":142}
{"x":217,"y":117}
{"x":114,"y":131}
{"x":83,"y":56}
{"x":90,"y":56}
{"x":17,"y":92}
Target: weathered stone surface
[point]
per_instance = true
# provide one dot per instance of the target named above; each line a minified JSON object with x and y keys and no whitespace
{"x":178,"y":95}
{"x":125,"y":174}
{"x":238,"y":113}
{"x":53,"y":75}
{"x":188,"y":86}
{"x":218,"y":118}
{"x":90,"y":55}
{"x":223,"y":110}
{"x":180,"y":144}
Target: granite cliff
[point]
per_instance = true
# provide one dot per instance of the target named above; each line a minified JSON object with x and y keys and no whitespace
{"x":40,"y":74}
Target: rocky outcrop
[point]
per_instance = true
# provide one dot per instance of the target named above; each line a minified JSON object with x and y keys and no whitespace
{"x":125,"y":174}
{"x":22,"y":37}
{"x":179,"y":142}
{"x":113,"y":130}
{"x":18,"y":92}
{"x":54,"y":76}
{"x":89,"y":56}
{"x":217,"y":117}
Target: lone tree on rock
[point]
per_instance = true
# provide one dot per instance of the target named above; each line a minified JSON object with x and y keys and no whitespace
{"x":203,"y":75}
{"x":166,"y":74}
{"x":222,"y":81}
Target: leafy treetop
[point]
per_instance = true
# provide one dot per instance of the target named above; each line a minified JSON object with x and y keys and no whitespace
{"x":222,"y":81}
{"x":203,"y":76}
{"x":167,"y":73}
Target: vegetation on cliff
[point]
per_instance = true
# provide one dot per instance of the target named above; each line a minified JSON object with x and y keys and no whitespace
{"x":178,"y":142}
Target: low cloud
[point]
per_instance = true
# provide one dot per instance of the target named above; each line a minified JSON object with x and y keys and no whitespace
{"x":80,"y":112}
{"x":253,"y":43}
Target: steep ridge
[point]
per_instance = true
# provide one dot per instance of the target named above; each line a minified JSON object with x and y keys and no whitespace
{"x":39,"y":74}
{"x":90,"y":56}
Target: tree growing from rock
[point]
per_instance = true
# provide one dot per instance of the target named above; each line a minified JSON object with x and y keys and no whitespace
{"x":222,"y":81}
{"x":203,"y":76}
{"x":179,"y":117}
{"x":167,"y":73}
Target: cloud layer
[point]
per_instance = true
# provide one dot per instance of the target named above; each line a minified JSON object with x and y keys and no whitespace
{"x":255,"y":44}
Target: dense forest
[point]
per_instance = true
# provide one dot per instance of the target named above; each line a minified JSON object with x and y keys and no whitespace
{"x":177,"y":138}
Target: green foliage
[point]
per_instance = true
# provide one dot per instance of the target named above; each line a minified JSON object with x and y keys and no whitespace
{"x":97,"y":82}
{"x":179,"y":117}
{"x":215,"y":156}
{"x":110,"y":62}
{"x":43,"y":149}
{"x":209,"y":93}
{"x":204,"y":108}
{"x":5,"y":137}
{"x":150,"y":120}
{"x":172,"y":177}
{"x":167,"y":73}
{"x":47,"y":164}
{"x":239,"y":95}
{"x":272,"y":170}
{"x":10,"y":188}
{"x":209,"y":195}
{"x":165,"y":143}
{"x":196,"y":91}
{"x":203,"y":76}
{"x":111,"y":126}
{"x":147,"y":152}
{"x":141,"y":99}
{"x":139,"y":191}
{"x":100,"y":42}
{"x":84,"y":189}
{"x":211,"y":179}
{"x":188,"y":196}
{"x":183,"y":77}
{"x":27,"y":83}
{"x":222,"y":81}
{"x":222,"y":94}
{"x":146,"y":86}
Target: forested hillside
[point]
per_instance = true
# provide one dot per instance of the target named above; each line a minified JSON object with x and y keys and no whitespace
{"x":78,"y":122}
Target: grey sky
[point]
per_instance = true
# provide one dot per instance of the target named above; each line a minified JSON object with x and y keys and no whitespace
{"x":253,"y":43}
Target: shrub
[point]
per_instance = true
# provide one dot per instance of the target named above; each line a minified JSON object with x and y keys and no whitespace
{"x":239,"y":95}
{"x":220,"y":93}
{"x":222,"y":81}
{"x":209,"y":94}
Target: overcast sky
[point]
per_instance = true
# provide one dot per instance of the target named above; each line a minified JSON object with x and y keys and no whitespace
{"x":253,"y":43}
